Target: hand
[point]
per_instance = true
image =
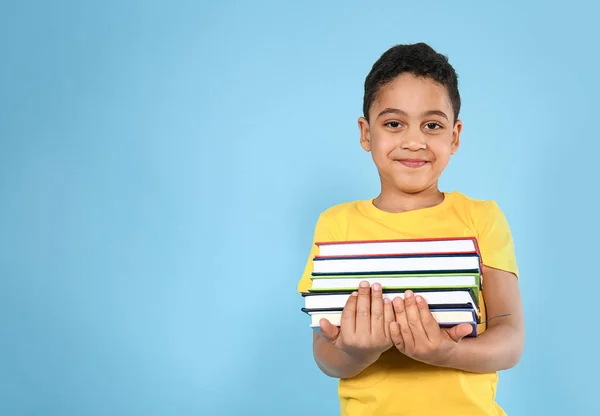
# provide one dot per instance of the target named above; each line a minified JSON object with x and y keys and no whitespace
{"x":364,"y":331}
{"x":418,"y":335}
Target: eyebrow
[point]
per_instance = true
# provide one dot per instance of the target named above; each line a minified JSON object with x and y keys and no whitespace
{"x":403,"y":113}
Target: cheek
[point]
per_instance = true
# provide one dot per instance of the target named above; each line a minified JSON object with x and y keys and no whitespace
{"x":382,"y":146}
{"x":441,"y":148}
{"x":442,"y":156}
{"x":379,"y":152}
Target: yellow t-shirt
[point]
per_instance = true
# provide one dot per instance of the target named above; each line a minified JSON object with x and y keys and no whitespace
{"x":396,"y":384}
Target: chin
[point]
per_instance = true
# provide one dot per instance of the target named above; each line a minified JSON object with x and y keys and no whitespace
{"x":412,"y":188}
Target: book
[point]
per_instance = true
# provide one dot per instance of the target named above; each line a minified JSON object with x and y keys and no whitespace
{"x":445,"y":317}
{"x":415,"y":264}
{"x":332,"y":283}
{"x":453,"y":245}
{"x":440,"y":299}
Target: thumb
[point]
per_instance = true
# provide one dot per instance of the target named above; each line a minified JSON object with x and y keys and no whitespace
{"x":329,"y":331}
{"x":458,"y":332}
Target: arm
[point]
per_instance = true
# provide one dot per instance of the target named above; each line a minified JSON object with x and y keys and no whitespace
{"x":417,"y":334}
{"x":336,"y":363}
{"x":328,"y":348}
{"x":362,"y":337}
{"x":501,"y":345}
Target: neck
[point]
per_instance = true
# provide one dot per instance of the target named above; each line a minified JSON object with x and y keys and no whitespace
{"x":398,"y":201}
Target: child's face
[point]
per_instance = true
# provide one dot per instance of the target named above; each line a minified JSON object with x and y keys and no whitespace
{"x":411,"y":134}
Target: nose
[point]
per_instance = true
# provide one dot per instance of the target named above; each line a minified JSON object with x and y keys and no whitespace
{"x":412,"y":140}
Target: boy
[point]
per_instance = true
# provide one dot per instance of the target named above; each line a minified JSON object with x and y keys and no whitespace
{"x":392,"y":358}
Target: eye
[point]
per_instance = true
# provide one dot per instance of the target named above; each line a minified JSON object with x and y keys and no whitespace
{"x":433,"y":126}
{"x":393,"y":124}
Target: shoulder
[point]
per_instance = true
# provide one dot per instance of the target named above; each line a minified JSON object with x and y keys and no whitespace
{"x":477,"y":209}
{"x":481,"y":215}
{"x":473,"y":203}
{"x":342,"y":209}
{"x":492,"y":231}
{"x":484,"y":216}
{"x":337,"y":218}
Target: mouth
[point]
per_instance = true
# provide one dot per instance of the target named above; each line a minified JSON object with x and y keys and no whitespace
{"x":412,"y":163}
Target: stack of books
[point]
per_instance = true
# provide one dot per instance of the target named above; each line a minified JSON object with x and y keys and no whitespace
{"x":445,"y":272}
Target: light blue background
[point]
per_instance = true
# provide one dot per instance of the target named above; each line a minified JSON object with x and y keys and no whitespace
{"x":162,"y":167}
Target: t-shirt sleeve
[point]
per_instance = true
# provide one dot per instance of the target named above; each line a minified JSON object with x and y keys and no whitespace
{"x":495,"y":239}
{"x":323,"y":232}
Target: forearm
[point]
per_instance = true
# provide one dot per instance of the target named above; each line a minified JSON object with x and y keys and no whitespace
{"x":498,"y":348}
{"x":335,"y":363}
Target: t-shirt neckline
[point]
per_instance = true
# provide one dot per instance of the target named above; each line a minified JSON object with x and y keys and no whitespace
{"x":373,"y":211}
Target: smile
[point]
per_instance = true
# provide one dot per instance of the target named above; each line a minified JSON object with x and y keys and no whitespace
{"x":412,"y":163}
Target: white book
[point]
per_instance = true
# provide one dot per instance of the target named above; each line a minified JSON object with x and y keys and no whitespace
{"x":450,"y":298}
{"x":443,"y":317}
{"x":390,"y":264}
{"x":390,"y":247}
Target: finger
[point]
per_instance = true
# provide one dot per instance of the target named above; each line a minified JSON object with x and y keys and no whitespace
{"x":377,"y":309}
{"x":400,"y":315}
{"x":329,"y":331}
{"x":414,"y":318}
{"x":363,"y":309}
{"x":388,"y":317}
{"x":458,"y":332}
{"x":430,"y":325}
{"x":348,"y":319}
{"x":396,"y":336}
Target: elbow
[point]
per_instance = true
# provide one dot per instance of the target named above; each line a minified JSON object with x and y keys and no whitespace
{"x":324,"y":369}
{"x":511,"y":362}
{"x":514,"y":356}
{"x":319,"y":359}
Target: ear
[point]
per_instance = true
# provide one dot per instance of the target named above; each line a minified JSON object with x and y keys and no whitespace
{"x":365,"y":134}
{"x":456,"y":136}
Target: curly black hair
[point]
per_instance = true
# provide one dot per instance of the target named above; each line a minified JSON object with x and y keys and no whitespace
{"x":419,"y":59}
